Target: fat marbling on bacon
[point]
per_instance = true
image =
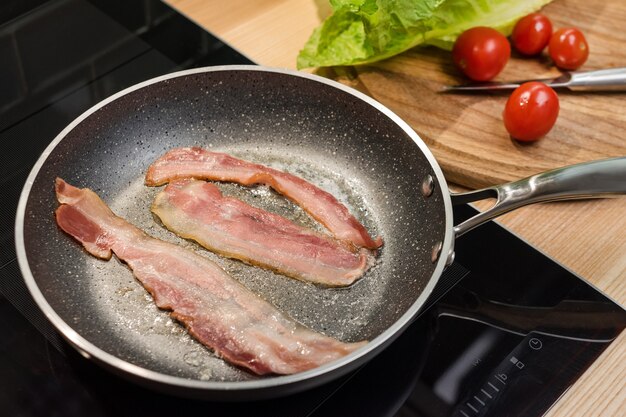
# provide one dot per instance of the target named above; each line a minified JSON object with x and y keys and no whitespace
{"x":200,"y":163}
{"x":197,"y":210}
{"x":216,"y":309}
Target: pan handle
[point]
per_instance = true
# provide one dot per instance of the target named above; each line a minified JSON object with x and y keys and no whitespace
{"x":602,"y":178}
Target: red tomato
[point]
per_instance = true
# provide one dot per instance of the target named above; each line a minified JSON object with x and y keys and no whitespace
{"x":481,"y":53}
{"x":531,"y":34}
{"x":568,"y":48}
{"x":531,"y":111}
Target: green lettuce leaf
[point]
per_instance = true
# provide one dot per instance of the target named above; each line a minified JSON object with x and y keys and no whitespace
{"x":363,"y":31}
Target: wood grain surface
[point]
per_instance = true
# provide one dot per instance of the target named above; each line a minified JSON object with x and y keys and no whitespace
{"x":587,"y":237}
{"x":266,"y":31}
{"x":466,"y":132}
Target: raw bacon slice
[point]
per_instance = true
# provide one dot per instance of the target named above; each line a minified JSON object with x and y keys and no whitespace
{"x":216,"y":309}
{"x":322,"y":206}
{"x":197,"y":210}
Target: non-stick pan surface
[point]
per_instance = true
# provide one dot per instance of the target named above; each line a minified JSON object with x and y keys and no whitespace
{"x":324,"y":132}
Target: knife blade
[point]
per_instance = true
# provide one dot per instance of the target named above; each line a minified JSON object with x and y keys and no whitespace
{"x":607,"y":79}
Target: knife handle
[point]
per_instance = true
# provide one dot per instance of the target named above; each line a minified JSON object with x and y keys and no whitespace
{"x":606,"y":79}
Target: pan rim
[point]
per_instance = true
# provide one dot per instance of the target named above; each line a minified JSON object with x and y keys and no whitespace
{"x":337,"y":367}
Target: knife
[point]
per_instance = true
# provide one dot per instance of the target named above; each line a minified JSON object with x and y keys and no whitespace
{"x":606,"y":79}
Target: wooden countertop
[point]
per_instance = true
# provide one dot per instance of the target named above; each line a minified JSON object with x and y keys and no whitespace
{"x":587,"y":237}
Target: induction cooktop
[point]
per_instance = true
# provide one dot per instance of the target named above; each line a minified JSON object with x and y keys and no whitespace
{"x":505,"y":333}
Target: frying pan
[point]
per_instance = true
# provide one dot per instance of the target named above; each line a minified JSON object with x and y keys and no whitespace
{"x":323,"y":131}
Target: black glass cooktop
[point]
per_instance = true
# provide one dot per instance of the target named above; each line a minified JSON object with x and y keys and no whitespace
{"x":506,"y":332}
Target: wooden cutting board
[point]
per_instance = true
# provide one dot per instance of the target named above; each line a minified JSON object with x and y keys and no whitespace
{"x":466,"y":132}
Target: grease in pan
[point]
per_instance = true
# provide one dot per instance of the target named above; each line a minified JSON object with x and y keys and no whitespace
{"x":216,"y":309}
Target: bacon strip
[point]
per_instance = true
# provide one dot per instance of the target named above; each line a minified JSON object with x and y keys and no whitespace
{"x":203,"y":164}
{"x":197,"y":210}
{"x":217,"y":310}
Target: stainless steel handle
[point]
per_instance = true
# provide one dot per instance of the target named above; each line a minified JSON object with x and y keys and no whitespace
{"x":607,"y":79}
{"x":603,"y":178}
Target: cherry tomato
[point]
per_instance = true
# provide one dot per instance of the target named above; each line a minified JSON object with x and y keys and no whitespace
{"x":568,"y":48}
{"x":481,"y":53}
{"x":531,"y":111}
{"x":531,"y":34}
